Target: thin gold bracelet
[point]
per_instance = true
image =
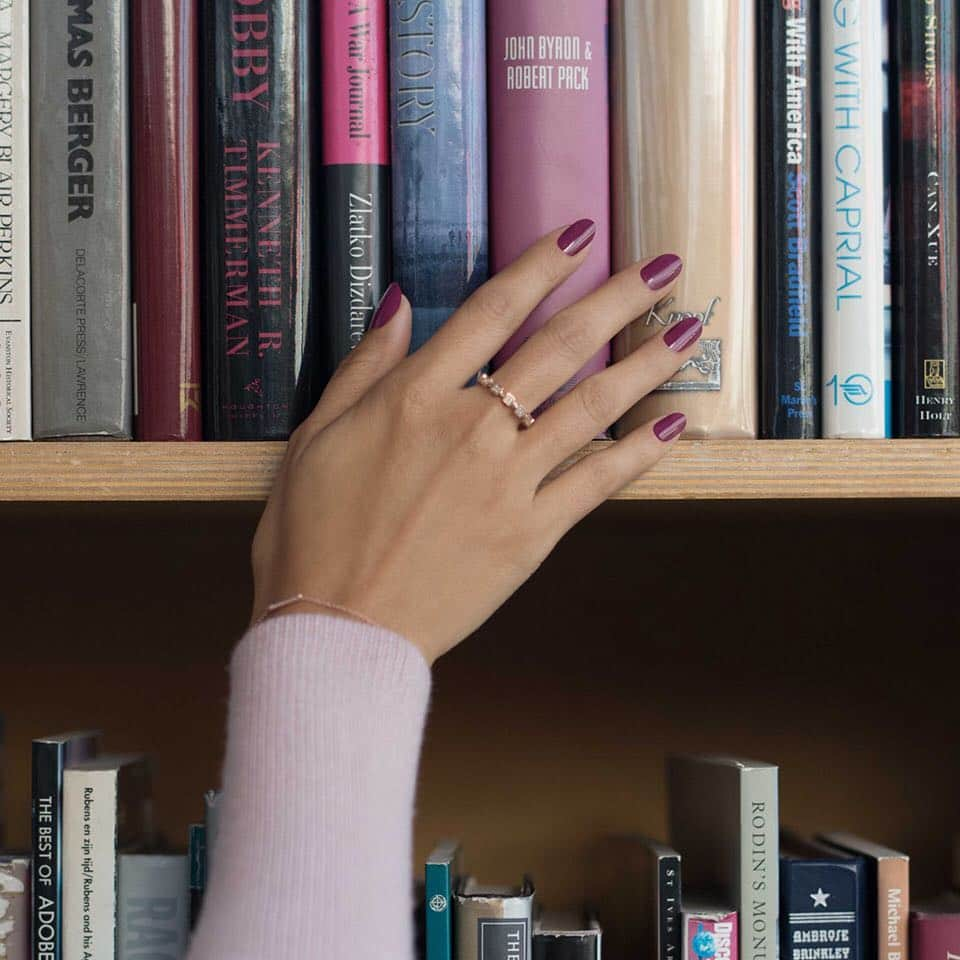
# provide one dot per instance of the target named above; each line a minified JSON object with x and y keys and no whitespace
{"x":314,"y":601}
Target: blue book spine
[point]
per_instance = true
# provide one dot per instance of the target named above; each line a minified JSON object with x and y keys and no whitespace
{"x":887,"y":233}
{"x":822,"y":909}
{"x":438,"y":897}
{"x":438,"y":110}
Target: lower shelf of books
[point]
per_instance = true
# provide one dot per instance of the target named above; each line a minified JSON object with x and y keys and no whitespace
{"x":695,"y":470}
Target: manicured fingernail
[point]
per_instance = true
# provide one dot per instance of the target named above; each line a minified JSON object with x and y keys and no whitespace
{"x":661,"y":270}
{"x":577,"y":236}
{"x":683,"y":333}
{"x":670,"y":426}
{"x":387,"y":307}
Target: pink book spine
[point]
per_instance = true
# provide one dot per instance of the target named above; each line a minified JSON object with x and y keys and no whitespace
{"x":710,"y":935}
{"x":549,"y":141}
{"x":934,"y":935}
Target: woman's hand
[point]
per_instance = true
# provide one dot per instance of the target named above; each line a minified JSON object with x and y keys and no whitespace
{"x":418,"y":502}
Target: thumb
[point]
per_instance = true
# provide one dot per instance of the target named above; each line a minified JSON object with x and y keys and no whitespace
{"x":383,"y":346}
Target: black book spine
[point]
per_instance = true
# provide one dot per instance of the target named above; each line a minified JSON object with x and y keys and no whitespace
{"x":48,"y":762}
{"x":670,"y":928}
{"x":925,"y":241}
{"x":790,"y":219}
{"x":355,"y":177}
{"x":257,"y":189}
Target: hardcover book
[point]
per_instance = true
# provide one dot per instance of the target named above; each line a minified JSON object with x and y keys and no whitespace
{"x":790,"y":197}
{"x":561,"y":936}
{"x":166,"y":216}
{"x":823,"y":906}
{"x":259,"y":374}
{"x":105,"y":811}
{"x":80,"y":220}
{"x":15,"y":907}
{"x":684,"y":174}
{"x":724,"y":817}
{"x":15,"y":412}
{"x":197,"y":854}
{"x":710,"y":932}
{"x":356,"y":172}
{"x":935,"y":929}
{"x":549,"y":143}
{"x":493,"y":922}
{"x":441,"y":875}
{"x":888,"y":152}
{"x":153,"y":921}
{"x":887,"y":904}
{"x":927,"y":295}
{"x":439,"y":150}
{"x":212,"y":805}
{"x":853,"y":217}
{"x":50,"y":757}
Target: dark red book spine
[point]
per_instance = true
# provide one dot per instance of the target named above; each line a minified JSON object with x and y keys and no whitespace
{"x":164,"y":118}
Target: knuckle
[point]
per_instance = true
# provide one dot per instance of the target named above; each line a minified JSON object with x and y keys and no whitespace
{"x":413,"y":400}
{"x":494,"y":305}
{"x":596,"y":401}
{"x":553,"y":269}
{"x":569,"y":338}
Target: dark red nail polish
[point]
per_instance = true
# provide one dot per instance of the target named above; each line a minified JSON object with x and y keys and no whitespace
{"x":576,"y":237}
{"x":683,"y":333}
{"x":387,"y":307}
{"x":661,"y":270}
{"x":670,"y":426}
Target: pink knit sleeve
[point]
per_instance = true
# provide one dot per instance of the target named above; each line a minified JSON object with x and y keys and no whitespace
{"x":314,"y":853}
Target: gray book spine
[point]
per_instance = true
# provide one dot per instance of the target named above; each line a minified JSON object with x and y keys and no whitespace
{"x":759,"y":863}
{"x":493,"y":926}
{"x":15,"y":908}
{"x":80,"y":169}
{"x":154,"y":907}
{"x":15,"y":418}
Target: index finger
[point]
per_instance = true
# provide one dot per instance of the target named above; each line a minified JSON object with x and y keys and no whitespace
{"x":488,"y":318}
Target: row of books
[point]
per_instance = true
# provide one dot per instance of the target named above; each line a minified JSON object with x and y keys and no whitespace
{"x":98,"y":883}
{"x":731,"y":885}
{"x":281,"y":161}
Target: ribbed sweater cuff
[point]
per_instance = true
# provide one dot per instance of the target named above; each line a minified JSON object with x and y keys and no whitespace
{"x":324,"y":732}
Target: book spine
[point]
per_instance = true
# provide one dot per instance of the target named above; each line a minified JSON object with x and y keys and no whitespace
{"x":690,"y":157}
{"x":439,"y":154}
{"x":15,"y":413}
{"x":89,"y":864}
{"x":47,"y":848}
{"x":888,"y":152}
{"x":934,"y":936}
{"x":759,"y":870}
{"x":438,"y":900}
{"x":492,"y":928}
{"x":258,"y":215}
{"x":549,"y":143}
{"x":565,"y":946}
{"x":710,"y":936}
{"x":197,"y":852}
{"x":165,"y":139}
{"x":15,"y":909}
{"x":853,"y":281}
{"x":893,"y":908}
{"x":822,"y":911}
{"x":355,"y":181}
{"x":928,"y":363}
{"x":669,"y":928}
{"x":790,"y":220}
{"x":80,"y":212}
{"x":154,"y":907}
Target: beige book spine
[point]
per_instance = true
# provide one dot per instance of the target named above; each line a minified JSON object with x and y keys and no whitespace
{"x":684,"y":182}
{"x":893,"y":908}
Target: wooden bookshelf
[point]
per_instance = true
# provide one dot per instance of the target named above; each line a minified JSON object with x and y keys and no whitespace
{"x":697,"y":470}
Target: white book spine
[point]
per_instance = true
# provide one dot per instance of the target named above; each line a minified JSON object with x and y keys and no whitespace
{"x":853,"y":220}
{"x":15,"y":413}
{"x":89,"y":864}
{"x":759,"y":895}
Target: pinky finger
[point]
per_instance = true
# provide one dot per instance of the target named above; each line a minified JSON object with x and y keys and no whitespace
{"x":584,"y":486}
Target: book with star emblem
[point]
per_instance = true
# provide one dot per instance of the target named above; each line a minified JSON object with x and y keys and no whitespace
{"x":823,"y":903}
{"x":493,"y":922}
{"x":725,"y":822}
{"x":710,"y":932}
{"x":441,"y":874}
{"x":935,"y":929}
{"x":888,"y":895}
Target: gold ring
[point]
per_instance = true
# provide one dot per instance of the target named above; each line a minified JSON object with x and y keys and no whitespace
{"x":507,"y":399}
